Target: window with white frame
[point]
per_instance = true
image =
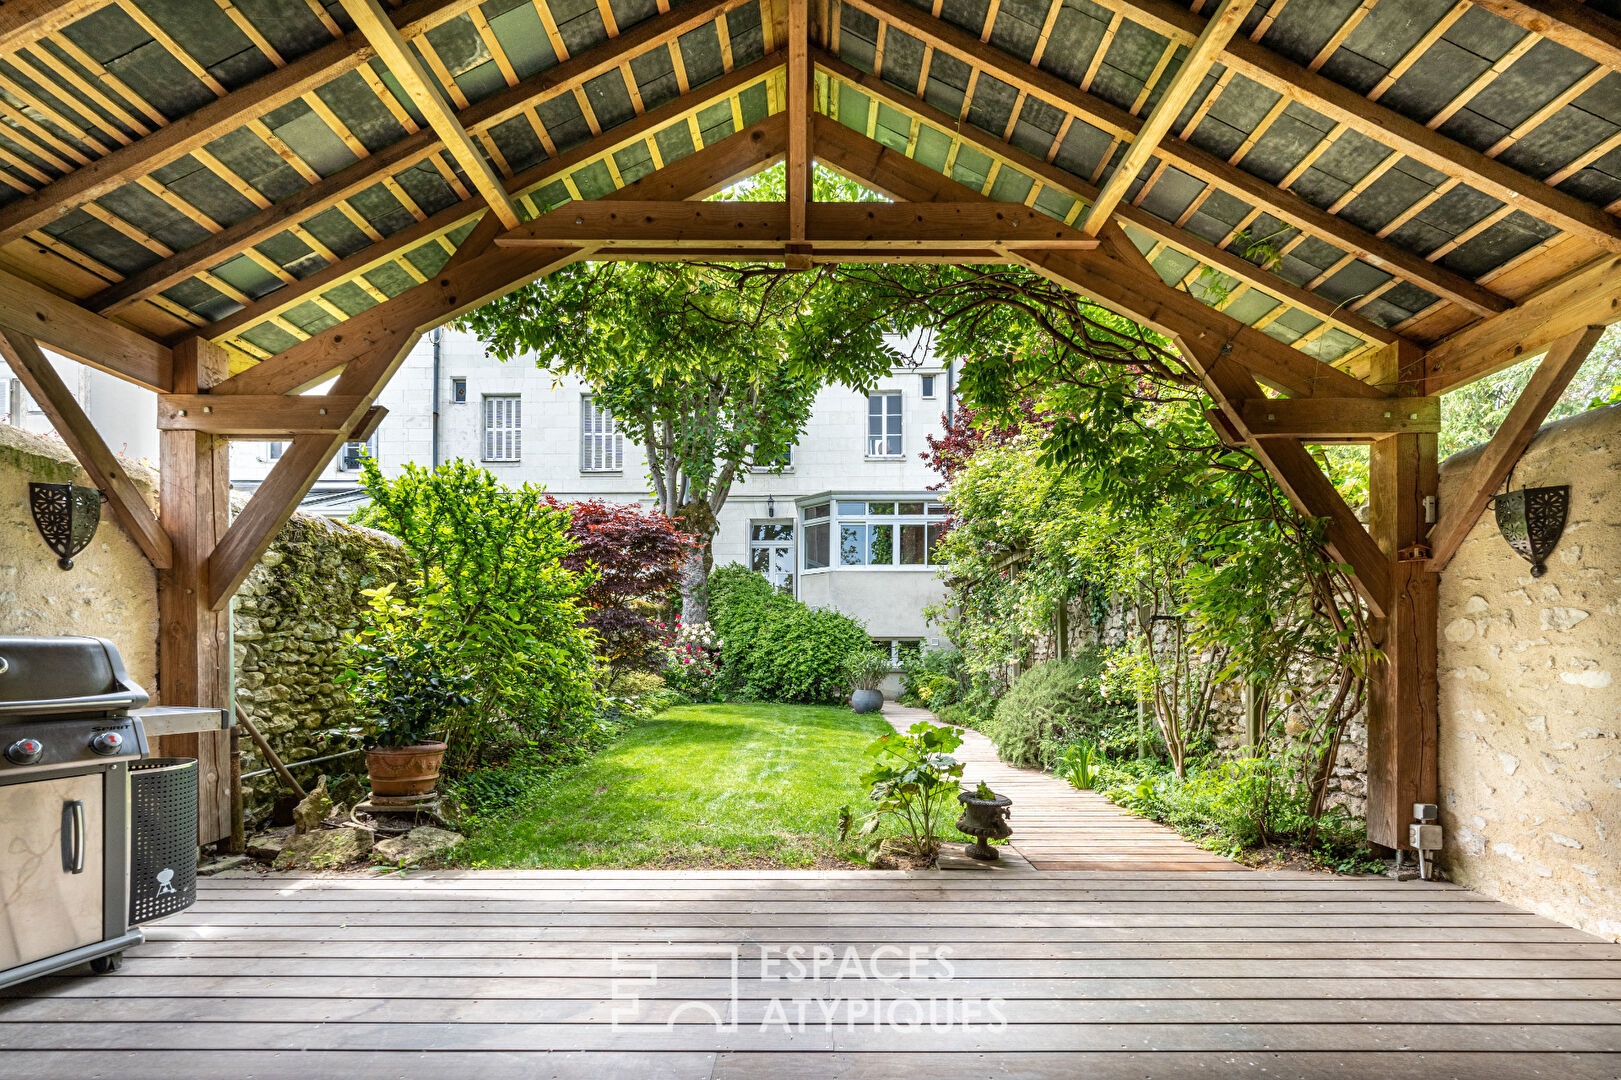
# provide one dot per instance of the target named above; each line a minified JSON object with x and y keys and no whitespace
{"x":884,"y":424}
{"x":503,"y":427}
{"x":781,"y":463}
{"x":355,"y":454}
{"x":602,"y":444}
{"x":928,"y":385}
{"x":458,"y":391}
{"x":847,"y":532}
{"x":273,"y":450}
{"x":900,"y":650}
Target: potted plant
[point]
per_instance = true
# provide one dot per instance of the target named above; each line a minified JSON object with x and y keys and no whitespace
{"x":864,"y":669}
{"x":406,"y":691}
{"x":984,"y":817}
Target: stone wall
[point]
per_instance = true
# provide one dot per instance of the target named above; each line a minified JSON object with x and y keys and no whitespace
{"x":291,"y":615}
{"x":111,"y":591}
{"x":1530,"y":720}
{"x":1085,"y":626}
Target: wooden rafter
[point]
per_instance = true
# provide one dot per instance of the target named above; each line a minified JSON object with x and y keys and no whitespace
{"x":425,"y":92}
{"x":219,"y":117}
{"x":461,"y":288}
{"x":799,"y":117}
{"x":1571,"y":24}
{"x":1591,"y":296}
{"x":628,"y":133}
{"x":1190,"y":159}
{"x":876,"y":227}
{"x":1519,"y":427}
{"x":1100,"y":274}
{"x":1051,"y":176}
{"x":1387,"y":126}
{"x":69,"y":329}
{"x":39,"y":378}
{"x":1222,"y":25}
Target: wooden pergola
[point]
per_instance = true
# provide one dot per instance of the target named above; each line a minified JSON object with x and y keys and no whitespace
{"x":1356,"y":204}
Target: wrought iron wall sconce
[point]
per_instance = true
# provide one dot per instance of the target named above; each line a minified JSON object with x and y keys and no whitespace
{"x":66,"y":517}
{"x":1532,"y":520}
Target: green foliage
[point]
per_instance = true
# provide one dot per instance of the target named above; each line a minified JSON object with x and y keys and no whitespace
{"x":932,"y":678}
{"x":1077,"y":764}
{"x":403,"y":687}
{"x":1057,"y":703}
{"x":1471,"y":415}
{"x":776,"y":648}
{"x":983,"y":791}
{"x":914,"y":784}
{"x":490,"y":600}
{"x":1239,"y":805}
{"x":866,"y":667}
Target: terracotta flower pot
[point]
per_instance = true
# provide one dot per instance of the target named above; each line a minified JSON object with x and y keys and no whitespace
{"x":404,"y":770}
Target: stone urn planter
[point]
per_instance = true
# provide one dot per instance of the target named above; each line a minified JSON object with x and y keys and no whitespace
{"x":404,"y":770}
{"x":984,"y":819}
{"x":866,"y":701}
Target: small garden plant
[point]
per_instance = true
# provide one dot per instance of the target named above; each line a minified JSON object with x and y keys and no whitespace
{"x":914,"y":782}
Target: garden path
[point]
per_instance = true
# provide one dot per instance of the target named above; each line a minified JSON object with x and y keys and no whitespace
{"x":1056,"y":827}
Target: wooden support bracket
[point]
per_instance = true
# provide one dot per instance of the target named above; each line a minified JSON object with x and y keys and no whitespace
{"x":256,"y":416}
{"x":1340,"y":419}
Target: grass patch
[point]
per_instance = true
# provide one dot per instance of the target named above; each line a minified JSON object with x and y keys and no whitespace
{"x":756,"y":786}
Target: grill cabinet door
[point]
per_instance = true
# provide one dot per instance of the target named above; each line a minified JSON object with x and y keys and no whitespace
{"x":45,"y":908}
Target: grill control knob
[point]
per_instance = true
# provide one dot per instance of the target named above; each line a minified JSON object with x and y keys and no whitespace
{"x":25,"y":751}
{"x":107,"y":743}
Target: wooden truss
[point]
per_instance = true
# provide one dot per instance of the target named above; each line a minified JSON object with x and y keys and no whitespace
{"x":991,"y":152}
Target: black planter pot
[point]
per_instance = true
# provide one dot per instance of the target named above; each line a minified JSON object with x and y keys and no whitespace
{"x":984,"y":819}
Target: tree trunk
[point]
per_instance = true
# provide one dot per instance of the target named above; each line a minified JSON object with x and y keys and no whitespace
{"x":695,"y":582}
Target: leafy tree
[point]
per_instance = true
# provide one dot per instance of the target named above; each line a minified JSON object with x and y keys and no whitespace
{"x":1471,"y":414}
{"x":489,"y":599}
{"x":633,"y":560}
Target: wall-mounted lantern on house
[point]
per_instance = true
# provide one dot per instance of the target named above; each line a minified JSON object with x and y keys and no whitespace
{"x":1531,"y":520}
{"x":66,"y":517}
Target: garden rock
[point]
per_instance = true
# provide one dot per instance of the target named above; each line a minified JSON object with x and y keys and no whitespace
{"x":267,"y":845}
{"x":423,"y":842}
{"x":324,"y":849}
{"x":309,"y":814}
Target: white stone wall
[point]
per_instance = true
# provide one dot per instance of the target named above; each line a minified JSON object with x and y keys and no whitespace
{"x":1530,"y":720}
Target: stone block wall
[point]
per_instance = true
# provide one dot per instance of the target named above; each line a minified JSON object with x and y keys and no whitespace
{"x":1530,"y":709}
{"x":291,"y":616}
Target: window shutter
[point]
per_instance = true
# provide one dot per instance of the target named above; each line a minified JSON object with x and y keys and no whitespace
{"x":602,"y":446}
{"x":503,"y":428}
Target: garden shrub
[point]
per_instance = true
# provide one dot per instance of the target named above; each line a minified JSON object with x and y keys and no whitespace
{"x":774,"y":648}
{"x":1055,"y":704}
{"x":932,"y":678}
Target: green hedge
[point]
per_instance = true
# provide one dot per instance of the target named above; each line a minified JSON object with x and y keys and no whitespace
{"x":1055,"y":704}
{"x":775,"y":648}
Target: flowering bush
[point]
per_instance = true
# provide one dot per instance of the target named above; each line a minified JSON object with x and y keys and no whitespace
{"x":692,"y":661}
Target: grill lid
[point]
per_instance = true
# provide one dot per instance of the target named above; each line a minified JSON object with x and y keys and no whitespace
{"x":54,"y":675}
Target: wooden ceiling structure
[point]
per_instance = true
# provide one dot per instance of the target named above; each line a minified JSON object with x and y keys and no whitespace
{"x":1356,"y":204}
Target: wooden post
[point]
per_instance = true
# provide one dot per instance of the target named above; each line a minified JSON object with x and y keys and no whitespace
{"x":194,"y":641}
{"x":1402,"y":690}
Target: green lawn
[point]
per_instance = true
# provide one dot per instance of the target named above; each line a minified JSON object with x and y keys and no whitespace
{"x":704,"y":785}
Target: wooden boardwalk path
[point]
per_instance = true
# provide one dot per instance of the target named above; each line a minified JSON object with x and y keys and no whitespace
{"x":1056,"y":827}
{"x":618,"y":974}
{"x":1159,"y":961}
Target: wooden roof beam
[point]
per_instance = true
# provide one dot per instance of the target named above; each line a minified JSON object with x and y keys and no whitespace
{"x":890,"y":227}
{"x":426,"y":94}
{"x":1573,"y":25}
{"x":1052,"y":176}
{"x":329,"y":191}
{"x":1212,"y":40}
{"x":63,"y":325}
{"x":630,"y":131}
{"x":23,"y":22}
{"x":1206,"y":166}
{"x":799,"y":119}
{"x":463,"y":287}
{"x":219,"y":117}
{"x":1100,"y":275}
{"x":1590,"y":296}
{"x":1389,"y":127}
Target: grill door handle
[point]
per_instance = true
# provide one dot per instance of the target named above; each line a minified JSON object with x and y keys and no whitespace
{"x":73,"y":836}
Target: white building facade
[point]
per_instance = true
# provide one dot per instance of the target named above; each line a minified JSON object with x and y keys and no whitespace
{"x":848,"y":523}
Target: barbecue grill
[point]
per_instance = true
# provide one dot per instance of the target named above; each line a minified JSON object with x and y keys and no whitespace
{"x":67,"y":738}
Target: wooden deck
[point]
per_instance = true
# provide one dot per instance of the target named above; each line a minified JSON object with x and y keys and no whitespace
{"x":1056,"y":827}
{"x":1121,"y":974}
